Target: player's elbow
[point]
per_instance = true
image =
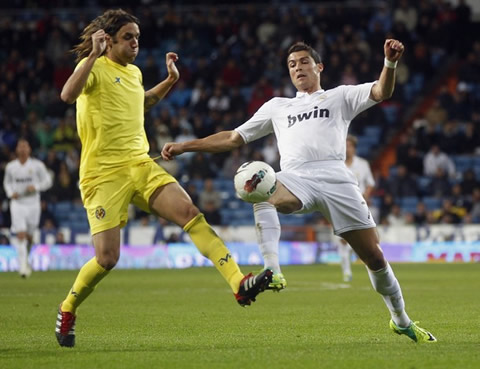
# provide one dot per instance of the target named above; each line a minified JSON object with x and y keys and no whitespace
{"x":67,"y":97}
{"x":236,"y":140}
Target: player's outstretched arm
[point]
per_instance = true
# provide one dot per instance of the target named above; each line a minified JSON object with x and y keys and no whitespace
{"x":158,"y":92}
{"x":218,"y":142}
{"x":75,"y":83}
{"x":383,"y":89}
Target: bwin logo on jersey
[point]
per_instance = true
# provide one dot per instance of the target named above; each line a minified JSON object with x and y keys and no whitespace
{"x":315,"y":113}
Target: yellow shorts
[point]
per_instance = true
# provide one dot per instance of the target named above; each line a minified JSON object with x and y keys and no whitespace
{"x":106,"y":197}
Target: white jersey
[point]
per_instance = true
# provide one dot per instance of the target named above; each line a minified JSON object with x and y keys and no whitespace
{"x":19,"y":176}
{"x":311,"y":128}
{"x":361,"y":170}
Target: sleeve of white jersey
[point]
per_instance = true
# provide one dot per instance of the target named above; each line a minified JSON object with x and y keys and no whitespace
{"x":43,"y":177}
{"x":357,"y":99}
{"x":8,"y":181}
{"x":259,"y":125}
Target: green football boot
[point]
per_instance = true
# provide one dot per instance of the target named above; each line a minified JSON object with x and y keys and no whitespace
{"x":414,"y":332}
{"x":278,"y":282}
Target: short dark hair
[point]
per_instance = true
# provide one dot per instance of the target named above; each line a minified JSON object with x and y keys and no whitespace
{"x":302,"y":46}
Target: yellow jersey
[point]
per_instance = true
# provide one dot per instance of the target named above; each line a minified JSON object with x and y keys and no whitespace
{"x":110,"y":118}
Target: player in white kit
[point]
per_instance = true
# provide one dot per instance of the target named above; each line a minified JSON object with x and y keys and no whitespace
{"x":25,"y":178}
{"x":361,"y":169}
{"x":311,"y":131}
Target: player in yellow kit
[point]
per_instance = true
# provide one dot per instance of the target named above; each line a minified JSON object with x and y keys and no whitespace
{"x":115,"y":168}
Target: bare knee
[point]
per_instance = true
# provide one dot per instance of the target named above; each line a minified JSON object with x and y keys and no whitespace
{"x":108,"y":260}
{"x":107,"y":247}
{"x":376,"y":262}
{"x":366,"y":244}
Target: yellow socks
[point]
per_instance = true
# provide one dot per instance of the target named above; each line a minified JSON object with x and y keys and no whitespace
{"x":88,"y":277}
{"x":212,"y":247}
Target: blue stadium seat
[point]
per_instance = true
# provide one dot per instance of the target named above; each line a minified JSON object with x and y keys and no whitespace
{"x":409,"y":201}
{"x":432,"y":203}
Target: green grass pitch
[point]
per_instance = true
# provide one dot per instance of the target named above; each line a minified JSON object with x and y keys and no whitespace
{"x":189,"y":319}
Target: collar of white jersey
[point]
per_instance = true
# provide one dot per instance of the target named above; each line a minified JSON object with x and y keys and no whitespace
{"x":303,"y":94}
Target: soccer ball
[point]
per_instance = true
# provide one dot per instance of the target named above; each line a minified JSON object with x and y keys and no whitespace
{"x":255,"y":181}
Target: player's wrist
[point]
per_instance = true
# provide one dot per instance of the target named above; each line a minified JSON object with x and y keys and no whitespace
{"x":172,"y":79}
{"x":389,"y":64}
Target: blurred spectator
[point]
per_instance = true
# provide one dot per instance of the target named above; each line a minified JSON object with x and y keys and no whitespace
{"x":420,"y":217}
{"x":475,"y":212}
{"x":396,"y":216}
{"x":450,"y":140}
{"x":180,"y":96}
{"x":64,"y":187}
{"x":199,"y":167}
{"x":469,"y":182}
{"x":470,"y":141}
{"x":150,"y":71}
{"x":439,"y":185}
{"x":231,"y":73}
{"x":403,"y":184}
{"x":406,"y":14}
{"x":436,"y":159}
{"x":209,"y":195}
{"x":212,"y":213}
{"x":60,"y":239}
{"x":448,"y":214}
{"x":386,"y":207}
{"x":65,"y":136}
{"x":192,"y":191}
{"x":237,"y":101}
{"x":459,"y":200}
{"x":233,"y":162}
{"x":47,"y":218}
{"x":219,"y":101}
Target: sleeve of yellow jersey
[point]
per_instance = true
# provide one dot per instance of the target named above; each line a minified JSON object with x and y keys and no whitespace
{"x":91,"y":77}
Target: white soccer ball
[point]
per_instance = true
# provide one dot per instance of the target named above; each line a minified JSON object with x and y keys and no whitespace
{"x":255,"y":181}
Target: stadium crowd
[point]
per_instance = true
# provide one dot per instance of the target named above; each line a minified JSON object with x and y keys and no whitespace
{"x":231,"y":61}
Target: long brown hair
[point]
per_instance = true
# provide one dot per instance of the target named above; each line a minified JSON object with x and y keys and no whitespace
{"x":110,"y":21}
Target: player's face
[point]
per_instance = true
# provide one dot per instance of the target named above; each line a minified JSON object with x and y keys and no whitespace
{"x":124,"y":45}
{"x":23,"y":149}
{"x":304,"y":72}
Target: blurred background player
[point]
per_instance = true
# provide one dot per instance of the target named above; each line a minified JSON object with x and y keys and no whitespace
{"x":25,"y":178}
{"x":361,"y":170}
{"x":115,"y":168}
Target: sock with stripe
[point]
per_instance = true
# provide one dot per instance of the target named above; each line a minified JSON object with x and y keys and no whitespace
{"x":267,"y":227}
{"x":88,"y":277}
{"x":213,"y":248}
{"x":386,"y":284}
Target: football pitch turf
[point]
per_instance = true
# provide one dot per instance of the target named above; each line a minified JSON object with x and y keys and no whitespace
{"x":189,"y":319}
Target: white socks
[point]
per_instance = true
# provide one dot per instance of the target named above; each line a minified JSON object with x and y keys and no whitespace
{"x":22,"y":252}
{"x":386,"y":284}
{"x":345,"y":253}
{"x":267,"y":226}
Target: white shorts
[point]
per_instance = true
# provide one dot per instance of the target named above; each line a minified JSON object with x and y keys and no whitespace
{"x":25,"y":218}
{"x":341,"y":203}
